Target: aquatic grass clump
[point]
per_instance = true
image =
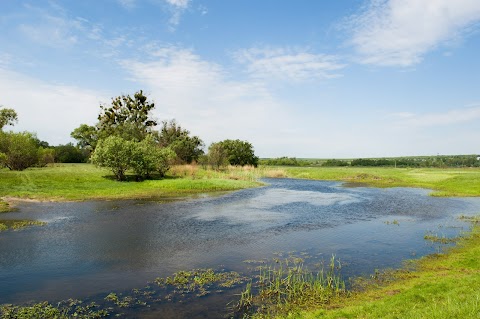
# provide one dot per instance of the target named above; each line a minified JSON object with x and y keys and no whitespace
{"x":287,"y":286}
{"x":435,"y":238}
{"x":4,"y":207}
{"x":471,"y":219}
{"x":17,"y":224}
{"x":199,"y":281}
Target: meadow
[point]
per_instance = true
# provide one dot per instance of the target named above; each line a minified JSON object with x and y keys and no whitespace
{"x":76,"y":182}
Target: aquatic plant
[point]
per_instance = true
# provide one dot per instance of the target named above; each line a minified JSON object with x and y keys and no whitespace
{"x":16,"y":224}
{"x":199,"y":281}
{"x":393,"y":222}
{"x":289,"y":285}
{"x":70,"y":308}
{"x":435,"y":238}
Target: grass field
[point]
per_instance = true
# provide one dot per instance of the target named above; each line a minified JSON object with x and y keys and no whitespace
{"x":84,"y":181}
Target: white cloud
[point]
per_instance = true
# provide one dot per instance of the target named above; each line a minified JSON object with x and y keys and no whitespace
{"x":288,"y":64}
{"x":451,"y":117}
{"x":51,"y":110}
{"x":203,"y":98}
{"x":401,"y":32}
{"x":183,"y":4}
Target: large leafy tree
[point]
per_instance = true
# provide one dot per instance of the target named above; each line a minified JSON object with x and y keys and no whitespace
{"x":239,"y":152}
{"x":217,"y":156}
{"x":7,"y":117}
{"x":127,"y":117}
{"x":86,"y":136}
{"x":187,"y":148}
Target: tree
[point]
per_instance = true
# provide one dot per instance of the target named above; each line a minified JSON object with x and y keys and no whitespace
{"x":144,"y":158}
{"x":46,"y":156}
{"x":68,"y":153}
{"x":86,"y":136}
{"x":127,"y":117}
{"x":148,"y":157}
{"x":7,"y":117}
{"x":217,"y":156}
{"x":240,"y":152}
{"x":20,"y":150}
{"x":188,"y":148}
{"x":114,"y":153}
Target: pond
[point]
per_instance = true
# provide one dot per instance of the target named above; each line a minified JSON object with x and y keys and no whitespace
{"x":90,"y":249}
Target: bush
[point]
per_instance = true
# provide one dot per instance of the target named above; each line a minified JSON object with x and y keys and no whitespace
{"x":20,"y":150}
{"x":144,"y":158}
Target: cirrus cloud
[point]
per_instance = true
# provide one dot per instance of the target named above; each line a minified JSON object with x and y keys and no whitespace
{"x":288,"y":64}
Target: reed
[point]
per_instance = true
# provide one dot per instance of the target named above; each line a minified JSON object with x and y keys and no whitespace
{"x":287,"y":286}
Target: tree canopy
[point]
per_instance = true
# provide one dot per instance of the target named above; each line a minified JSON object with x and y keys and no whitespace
{"x":120,"y":155}
{"x":127,"y":117}
{"x":187,"y":148}
{"x":7,"y":117}
{"x":239,"y":152}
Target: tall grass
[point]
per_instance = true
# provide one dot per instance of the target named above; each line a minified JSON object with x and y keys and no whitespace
{"x":286,"y":287}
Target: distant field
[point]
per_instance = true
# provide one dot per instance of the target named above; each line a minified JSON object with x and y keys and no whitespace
{"x":443,"y":182}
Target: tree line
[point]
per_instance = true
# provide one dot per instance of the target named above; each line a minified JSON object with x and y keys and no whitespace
{"x":125,"y":138}
{"x":439,"y":161}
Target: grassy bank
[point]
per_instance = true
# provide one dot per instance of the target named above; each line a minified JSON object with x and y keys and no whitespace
{"x":85,"y":181}
{"x":444,"y":182}
{"x":442,"y":286}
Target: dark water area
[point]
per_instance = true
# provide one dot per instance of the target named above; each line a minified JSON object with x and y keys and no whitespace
{"x":89,"y":249}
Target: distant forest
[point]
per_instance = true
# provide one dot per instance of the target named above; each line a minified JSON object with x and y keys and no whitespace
{"x":420,"y":161}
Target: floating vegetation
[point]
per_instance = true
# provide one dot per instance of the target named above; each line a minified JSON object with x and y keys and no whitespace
{"x":70,"y":308}
{"x":199,"y":281}
{"x":181,"y":287}
{"x":472,"y":219}
{"x":434,"y":238}
{"x":17,"y":224}
{"x":288,"y":285}
{"x":393,"y":222}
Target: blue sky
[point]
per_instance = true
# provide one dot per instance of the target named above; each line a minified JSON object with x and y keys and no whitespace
{"x":324,"y":79}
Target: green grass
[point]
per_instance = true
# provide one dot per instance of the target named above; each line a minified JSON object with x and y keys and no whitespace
{"x":443,"y":182}
{"x":441,"y":286}
{"x":85,"y":181}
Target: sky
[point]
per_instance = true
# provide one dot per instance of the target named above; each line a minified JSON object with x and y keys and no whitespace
{"x":298,"y":78}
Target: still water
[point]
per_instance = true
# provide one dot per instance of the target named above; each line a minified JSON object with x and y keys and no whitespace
{"x":90,"y":249}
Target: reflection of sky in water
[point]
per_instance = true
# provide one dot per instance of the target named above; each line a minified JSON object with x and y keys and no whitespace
{"x":261,"y":208}
{"x":103,"y":246}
